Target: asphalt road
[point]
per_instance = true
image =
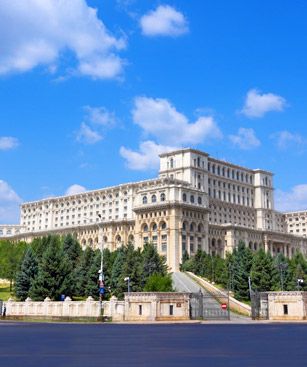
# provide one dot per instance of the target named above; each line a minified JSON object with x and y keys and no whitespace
{"x":189,"y":345}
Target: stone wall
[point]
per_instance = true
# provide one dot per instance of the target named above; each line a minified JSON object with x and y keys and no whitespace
{"x":286,"y":305}
{"x":136,"y":307}
{"x":67,"y":309}
{"x":157,"y":306}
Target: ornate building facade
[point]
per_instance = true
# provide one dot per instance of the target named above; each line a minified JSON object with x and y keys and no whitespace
{"x":196,"y":202}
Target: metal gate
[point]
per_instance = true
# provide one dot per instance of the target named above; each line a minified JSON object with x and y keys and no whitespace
{"x":259,"y":305}
{"x":209,"y":306}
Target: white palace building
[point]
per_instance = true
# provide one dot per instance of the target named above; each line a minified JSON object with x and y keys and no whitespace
{"x":196,"y":202}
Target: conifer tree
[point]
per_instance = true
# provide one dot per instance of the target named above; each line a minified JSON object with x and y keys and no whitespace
{"x":262,"y":271}
{"x":242,"y":266}
{"x":153,"y":263}
{"x":117,"y":282}
{"x":82,"y":270}
{"x":297,"y":270}
{"x":132,"y":268}
{"x":25,"y":276}
{"x":72,"y":249}
{"x":52,"y":271}
{"x":92,"y":287}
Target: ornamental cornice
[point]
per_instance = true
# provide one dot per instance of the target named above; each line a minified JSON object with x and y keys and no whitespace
{"x":169,"y":205}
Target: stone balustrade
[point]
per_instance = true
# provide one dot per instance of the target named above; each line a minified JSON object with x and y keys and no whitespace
{"x":136,"y":307}
{"x":66,"y":309}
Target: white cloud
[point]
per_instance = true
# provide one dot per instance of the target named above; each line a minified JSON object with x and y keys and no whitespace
{"x":245,"y":139}
{"x":100,"y":116}
{"x":257,"y":104}
{"x":160,"y":119}
{"x":87,"y":135}
{"x":75,"y":189}
{"x":8,"y":142}
{"x":97,"y":120}
{"x":285,"y":139}
{"x":295,"y":199}
{"x":164,"y":21}
{"x":146,"y":158}
{"x":9,"y":204}
{"x":36,"y":32}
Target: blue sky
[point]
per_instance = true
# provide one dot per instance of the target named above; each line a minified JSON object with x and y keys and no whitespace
{"x":92,"y":91}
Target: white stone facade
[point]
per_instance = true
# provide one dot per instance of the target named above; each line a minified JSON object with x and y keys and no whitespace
{"x":8,"y":230}
{"x":196,"y":202}
{"x":296,"y":223}
{"x":141,"y":306}
{"x":284,"y":306}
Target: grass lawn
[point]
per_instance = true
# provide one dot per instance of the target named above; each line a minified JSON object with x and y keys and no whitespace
{"x":5,"y":292}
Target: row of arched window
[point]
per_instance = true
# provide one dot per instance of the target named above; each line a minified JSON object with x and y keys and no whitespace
{"x":192,"y":227}
{"x":192,"y":199}
{"x":154,"y":227}
{"x":154,"y":198}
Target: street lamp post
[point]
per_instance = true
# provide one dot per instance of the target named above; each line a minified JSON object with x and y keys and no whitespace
{"x":127,"y":279}
{"x":299,"y":283}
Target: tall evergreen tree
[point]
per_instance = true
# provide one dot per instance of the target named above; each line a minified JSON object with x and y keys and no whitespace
{"x":82,"y":270}
{"x":262,"y":271}
{"x":153,"y":263}
{"x":242,"y":267}
{"x":52,"y":271}
{"x":92,"y":287}
{"x":297,"y":270}
{"x":117,"y":281}
{"x":72,"y":249}
{"x":25,"y":276}
{"x":132,"y":268}
{"x":281,"y":275}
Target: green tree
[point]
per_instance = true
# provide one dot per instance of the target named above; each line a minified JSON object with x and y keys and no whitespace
{"x":52,"y":271}
{"x":263,"y":271}
{"x":11,"y":255}
{"x":27,"y":273}
{"x":242,"y":267}
{"x":220,"y":271}
{"x":132,"y":268}
{"x":92,"y":287}
{"x":153,"y":263}
{"x":82,"y":270}
{"x":72,"y":249}
{"x":117,"y":282}
{"x":281,"y":275}
{"x":185,"y":258}
{"x":159,"y":283}
{"x":297,"y":270}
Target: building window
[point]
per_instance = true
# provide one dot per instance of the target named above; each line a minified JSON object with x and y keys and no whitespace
{"x":163,"y":225}
{"x":199,"y":200}
{"x":171,"y":310}
{"x":184,"y":197}
{"x":162,"y":197}
{"x":154,"y":199}
{"x":140,"y":310}
{"x":144,"y":199}
{"x":285,"y":309}
{"x":192,"y":199}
